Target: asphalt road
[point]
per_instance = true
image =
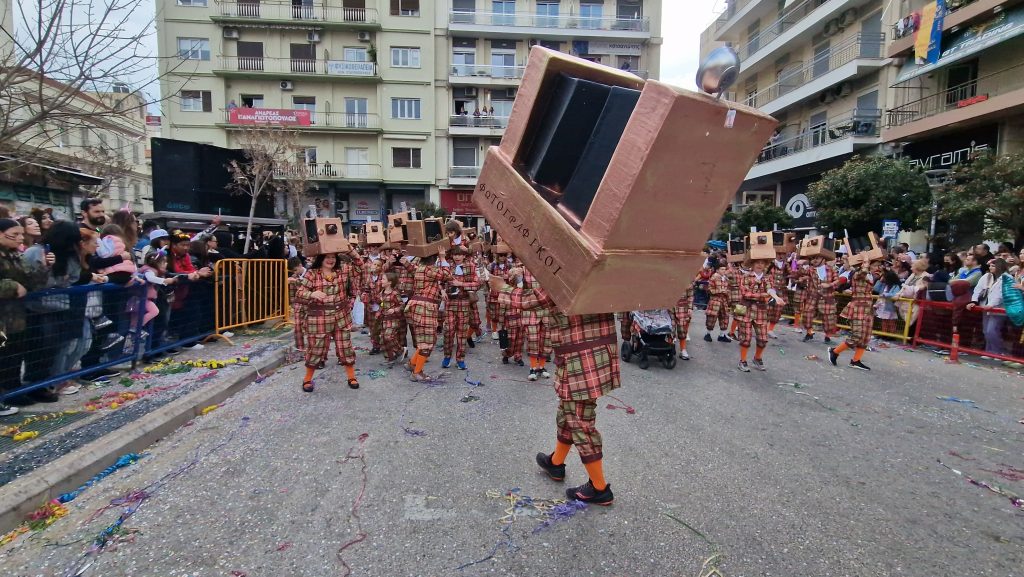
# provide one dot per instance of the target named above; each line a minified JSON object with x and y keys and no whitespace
{"x":838,"y":476}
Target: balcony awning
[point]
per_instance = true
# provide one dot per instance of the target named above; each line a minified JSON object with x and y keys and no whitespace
{"x":972,"y":40}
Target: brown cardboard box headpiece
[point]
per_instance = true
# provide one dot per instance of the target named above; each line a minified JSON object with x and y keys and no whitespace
{"x":323,"y":236}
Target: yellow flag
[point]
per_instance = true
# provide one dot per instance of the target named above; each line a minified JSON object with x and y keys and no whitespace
{"x":924,"y":31}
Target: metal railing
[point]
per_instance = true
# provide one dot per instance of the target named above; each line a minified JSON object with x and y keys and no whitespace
{"x":485,"y":71}
{"x":731,"y":8}
{"x":861,"y":46}
{"x":320,"y":119}
{"x":856,"y":123}
{"x":471,"y":121}
{"x":524,"y":19}
{"x":951,"y":6}
{"x":328,"y":171}
{"x":777,"y":28}
{"x":960,"y":96}
{"x":306,"y":12}
{"x":463,"y":172}
{"x":249,"y":291}
{"x":351,"y":68}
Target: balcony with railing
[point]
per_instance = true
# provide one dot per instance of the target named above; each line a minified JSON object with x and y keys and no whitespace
{"x":840,"y":136}
{"x":958,"y":14}
{"x":321,"y":14}
{"x":327,"y":171}
{"x":474,"y":74}
{"x":465,"y":175}
{"x":313,"y":120}
{"x":845,"y":61}
{"x":562,"y":25}
{"x":307,"y":68}
{"x":989,"y":97}
{"x":471,"y":125}
{"x":738,"y":13}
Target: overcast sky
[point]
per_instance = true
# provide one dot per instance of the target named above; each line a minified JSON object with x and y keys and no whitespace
{"x":683,"y":21}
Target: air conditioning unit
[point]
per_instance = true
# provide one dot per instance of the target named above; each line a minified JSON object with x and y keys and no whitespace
{"x":363,"y":36}
{"x":470,"y":92}
{"x":843,"y":90}
{"x":231,"y":33}
{"x":848,"y":18}
{"x":510,"y":92}
{"x":287,"y":85}
{"x":831,"y":27}
{"x":341,"y":206}
{"x":826,"y":97}
{"x":313,"y":36}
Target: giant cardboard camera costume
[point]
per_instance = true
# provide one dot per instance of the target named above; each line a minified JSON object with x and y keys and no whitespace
{"x":607,"y":186}
{"x":323,"y":236}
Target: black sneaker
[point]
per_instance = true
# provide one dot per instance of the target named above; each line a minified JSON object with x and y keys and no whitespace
{"x":504,"y":360}
{"x":101,"y":323}
{"x":808,"y":338}
{"x":859,"y":365}
{"x":724,"y":339}
{"x":44,"y":395}
{"x":111,"y":341}
{"x":520,"y":362}
{"x":555,"y":472}
{"x":104,"y":375}
{"x":833,"y":356}
{"x":470,"y":342}
{"x":591,"y":496}
{"x":707,"y":337}
{"x":374,"y":351}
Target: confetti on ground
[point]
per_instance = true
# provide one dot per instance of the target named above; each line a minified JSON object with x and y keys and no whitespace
{"x":355,"y":453}
{"x":795,"y":385}
{"x":378,"y":374}
{"x":967,"y":402}
{"x":469,"y":398}
{"x":709,"y":568}
{"x":1014,"y":499}
{"x":959,"y":456}
{"x":629,"y":409}
{"x":1009,"y":473}
{"x":812,"y":358}
{"x":284,"y":546}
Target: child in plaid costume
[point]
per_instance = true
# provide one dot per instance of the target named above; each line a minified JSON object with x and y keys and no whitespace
{"x":793,"y":273}
{"x":422,"y":312}
{"x":819,"y":296}
{"x":512,"y":321}
{"x":298,"y":308}
{"x":476,"y":261}
{"x":779,"y":281}
{"x":463,"y":280}
{"x":861,"y":314}
{"x":327,"y":290}
{"x":756,"y":290}
{"x":587,"y":369}
{"x":498,"y":268}
{"x":391,"y":317}
{"x":536,"y":321}
{"x":718,"y":305}
{"x":370,"y":296}
{"x":683,"y":312}
{"x":734,"y":276}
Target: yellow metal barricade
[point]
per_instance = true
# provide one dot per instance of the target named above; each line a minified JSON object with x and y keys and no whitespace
{"x":249,"y":291}
{"x":898,"y":328}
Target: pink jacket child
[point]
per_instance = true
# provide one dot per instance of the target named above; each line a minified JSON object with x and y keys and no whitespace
{"x":153,"y":273}
{"x":110,"y":245}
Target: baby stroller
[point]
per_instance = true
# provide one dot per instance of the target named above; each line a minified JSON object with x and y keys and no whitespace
{"x":653,"y":335}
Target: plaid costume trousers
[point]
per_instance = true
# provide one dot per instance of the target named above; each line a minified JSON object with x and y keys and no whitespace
{"x":754,"y":324}
{"x":817,"y":303}
{"x":718,"y":308}
{"x":537,"y":337}
{"x":577,"y":425}
{"x":516,"y":338}
{"x":683,"y":316}
{"x":390,"y":336}
{"x":298,"y":315}
{"x":456,"y":322}
{"x":862,"y":318}
{"x":423,"y":318}
{"x":320,"y":328}
{"x":372,"y":320}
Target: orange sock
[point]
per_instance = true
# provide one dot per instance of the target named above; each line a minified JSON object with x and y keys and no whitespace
{"x":533,"y":362}
{"x":758,"y":353}
{"x":858,"y":353}
{"x":561,"y":452}
{"x":309,"y":374}
{"x":541,"y":362}
{"x":682,"y":344}
{"x":842,"y":347}
{"x":414,"y":359}
{"x":743,"y":353}
{"x":420,"y":361}
{"x":771,"y":327}
{"x":796,"y":320}
{"x":350,"y":370}
{"x":596,"y":472}
{"x":732,"y":327}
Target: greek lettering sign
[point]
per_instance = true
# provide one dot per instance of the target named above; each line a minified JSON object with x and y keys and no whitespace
{"x":269,"y":116}
{"x":350,"y":68}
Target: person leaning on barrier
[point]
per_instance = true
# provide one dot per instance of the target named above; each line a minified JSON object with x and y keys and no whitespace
{"x":16,"y":280}
{"x":989,"y":294}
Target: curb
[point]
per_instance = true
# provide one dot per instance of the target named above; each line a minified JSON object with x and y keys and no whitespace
{"x":25,"y":494}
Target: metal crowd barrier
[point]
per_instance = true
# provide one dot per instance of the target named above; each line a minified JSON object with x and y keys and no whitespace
{"x":981,"y":331}
{"x":899,"y":328}
{"x":249,"y":292}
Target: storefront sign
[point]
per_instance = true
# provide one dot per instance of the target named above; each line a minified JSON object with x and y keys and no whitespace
{"x":890,"y":228}
{"x":364,"y":206}
{"x":350,"y":68}
{"x":459,"y":202}
{"x":152,"y":120}
{"x":972,"y":100}
{"x":793,"y":197}
{"x":951,"y":149}
{"x":269,"y":116}
{"x":606,"y":47}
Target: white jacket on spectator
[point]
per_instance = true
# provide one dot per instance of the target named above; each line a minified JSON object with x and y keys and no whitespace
{"x":989,"y":292}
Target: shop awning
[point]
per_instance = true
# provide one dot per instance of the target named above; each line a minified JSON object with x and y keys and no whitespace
{"x":970,"y":41}
{"x":61,"y":171}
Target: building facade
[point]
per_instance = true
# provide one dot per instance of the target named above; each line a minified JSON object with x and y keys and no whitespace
{"x":394,"y":100}
{"x":842,"y":78}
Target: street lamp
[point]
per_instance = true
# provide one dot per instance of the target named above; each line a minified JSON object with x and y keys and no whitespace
{"x":937,"y":179}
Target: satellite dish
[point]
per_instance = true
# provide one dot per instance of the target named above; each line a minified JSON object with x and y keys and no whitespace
{"x":719,"y":71}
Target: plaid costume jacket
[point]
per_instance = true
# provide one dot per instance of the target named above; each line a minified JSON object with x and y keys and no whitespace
{"x":469,"y":278}
{"x":586,"y":357}
{"x":735,"y":277}
{"x":426,"y":280}
{"x":718,"y":286}
{"x":536,"y":315}
{"x":339,"y":291}
{"x":818,"y":286}
{"x":779,"y":278}
{"x":390,"y":304}
{"x":369,"y":287}
{"x":861,"y":305}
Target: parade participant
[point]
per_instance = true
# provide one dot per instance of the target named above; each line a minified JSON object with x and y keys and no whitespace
{"x":370,"y":296}
{"x":498,"y":268}
{"x":512,"y":320}
{"x":422,"y":312}
{"x":757,"y":292}
{"x":587,"y":369}
{"x":536,"y":321}
{"x":777,"y":275}
{"x":683,"y":312}
{"x":453,"y":230}
{"x":476,"y":261}
{"x":391,"y":318}
{"x":295,"y":272}
{"x":327,"y":290}
{"x":734,"y":276}
{"x":397,"y":263}
{"x":796,"y":285}
{"x":457,"y":309}
{"x":820,"y":282}
{"x":718,"y":305}
{"x":860,"y":314}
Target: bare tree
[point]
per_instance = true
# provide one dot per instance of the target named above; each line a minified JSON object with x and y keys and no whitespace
{"x":58,"y":56}
{"x":268,"y":167}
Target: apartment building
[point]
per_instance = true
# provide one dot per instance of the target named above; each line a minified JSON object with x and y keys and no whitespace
{"x":842,"y":78}
{"x":394,"y":100}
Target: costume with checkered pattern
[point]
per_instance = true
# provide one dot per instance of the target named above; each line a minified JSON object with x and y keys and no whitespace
{"x":537,"y":323}
{"x":404,"y":289}
{"x":754,"y":323}
{"x":422,"y":312}
{"x":860,"y":311}
{"x":457,"y":310}
{"x":777,"y":274}
{"x":391,"y":321}
{"x":370,"y":296}
{"x":328,"y":318}
{"x":298,"y":312}
{"x":587,"y":368}
{"x":796,"y":297}
{"x":474,"y":307}
{"x":734,"y":276}
{"x":683,"y":313}
{"x":820,"y":297}
{"x":494,"y":310}
{"x":718,"y":303}
{"x":513,"y":323}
